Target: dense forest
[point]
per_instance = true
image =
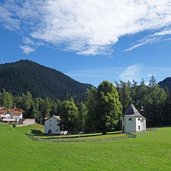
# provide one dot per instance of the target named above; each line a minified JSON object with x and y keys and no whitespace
{"x":102,"y":109}
{"x":155,"y":100}
{"x":23,"y":76}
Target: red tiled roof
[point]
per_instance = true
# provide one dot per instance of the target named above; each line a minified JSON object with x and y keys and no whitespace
{"x":14,"y":111}
{"x":3,"y":110}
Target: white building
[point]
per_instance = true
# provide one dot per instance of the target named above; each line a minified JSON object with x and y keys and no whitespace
{"x":52,"y":125}
{"x":11,"y":115}
{"x":133,"y":121}
{"x":17,"y":114}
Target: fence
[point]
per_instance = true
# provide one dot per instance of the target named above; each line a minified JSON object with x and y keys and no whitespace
{"x":79,"y":139}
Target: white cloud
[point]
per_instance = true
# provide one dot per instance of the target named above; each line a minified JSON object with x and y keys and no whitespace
{"x":28,"y":41}
{"x":27,"y":49}
{"x":84,"y":26}
{"x":149,"y":75}
{"x":131,"y":72}
{"x":153,"y":38}
{"x":144,"y":41}
{"x":7,"y":21}
{"x":95,"y":76}
{"x":163,"y":33}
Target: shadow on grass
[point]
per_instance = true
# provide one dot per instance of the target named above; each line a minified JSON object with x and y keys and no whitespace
{"x":36,"y":132}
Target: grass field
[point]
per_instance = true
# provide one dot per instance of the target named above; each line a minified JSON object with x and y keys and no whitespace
{"x":150,"y":151}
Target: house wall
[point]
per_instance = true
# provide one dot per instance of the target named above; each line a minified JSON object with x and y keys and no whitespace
{"x":6,"y":116}
{"x":144,"y":125}
{"x":133,"y":124}
{"x":140,"y":124}
{"x":8,"y":120}
{"x":18,"y":116}
{"x":129,"y":124}
{"x":52,"y":126}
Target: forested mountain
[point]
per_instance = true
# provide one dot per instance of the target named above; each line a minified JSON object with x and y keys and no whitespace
{"x":24,"y":75}
{"x":166,"y":83}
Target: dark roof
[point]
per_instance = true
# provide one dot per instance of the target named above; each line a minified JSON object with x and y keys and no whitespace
{"x":132,"y":111}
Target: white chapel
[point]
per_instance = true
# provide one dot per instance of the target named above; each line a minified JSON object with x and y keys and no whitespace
{"x":133,"y":121}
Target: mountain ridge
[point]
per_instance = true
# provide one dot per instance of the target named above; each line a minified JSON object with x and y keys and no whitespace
{"x":41,"y":81}
{"x":166,"y":83}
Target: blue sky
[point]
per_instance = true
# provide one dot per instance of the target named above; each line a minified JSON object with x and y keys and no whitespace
{"x":90,"y":40}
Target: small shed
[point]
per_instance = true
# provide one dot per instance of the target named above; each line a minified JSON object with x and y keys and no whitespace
{"x":52,"y":125}
{"x":133,"y":121}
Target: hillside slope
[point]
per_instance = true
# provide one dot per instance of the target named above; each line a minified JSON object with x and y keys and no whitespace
{"x":166,"y":83}
{"x":41,"y":81}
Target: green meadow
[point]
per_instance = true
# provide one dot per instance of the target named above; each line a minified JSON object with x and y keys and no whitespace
{"x":149,"y":151}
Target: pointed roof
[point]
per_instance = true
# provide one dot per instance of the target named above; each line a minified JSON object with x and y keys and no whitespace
{"x":132,"y":111}
{"x":57,"y":117}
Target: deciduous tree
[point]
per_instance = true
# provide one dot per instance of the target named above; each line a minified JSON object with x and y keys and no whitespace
{"x":68,"y":114}
{"x":109,"y":108}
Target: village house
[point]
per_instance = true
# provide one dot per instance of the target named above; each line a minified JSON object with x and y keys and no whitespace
{"x":133,"y":121}
{"x":17,"y":114}
{"x":4,"y":113}
{"x":52,"y":125}
{"x":11,"y":115}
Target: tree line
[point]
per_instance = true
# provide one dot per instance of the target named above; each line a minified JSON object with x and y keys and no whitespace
{"x":103,"y":108}
{"x":155,"y":100}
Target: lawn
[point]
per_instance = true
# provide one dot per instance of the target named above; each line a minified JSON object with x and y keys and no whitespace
{"x":150,"y":151}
